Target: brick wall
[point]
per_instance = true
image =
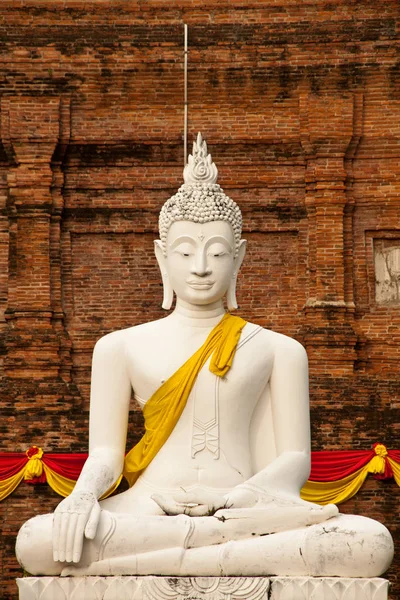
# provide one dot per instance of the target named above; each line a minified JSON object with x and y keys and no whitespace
{"x":300,"y":105}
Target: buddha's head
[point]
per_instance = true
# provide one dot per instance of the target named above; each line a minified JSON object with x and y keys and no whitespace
{"x":200,"y":249}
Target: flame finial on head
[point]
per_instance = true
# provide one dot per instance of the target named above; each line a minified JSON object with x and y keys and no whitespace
{"x":200,"y":167}
{"x":200,"y":199}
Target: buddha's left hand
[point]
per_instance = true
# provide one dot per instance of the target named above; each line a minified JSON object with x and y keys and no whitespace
{"x":193,"y":504}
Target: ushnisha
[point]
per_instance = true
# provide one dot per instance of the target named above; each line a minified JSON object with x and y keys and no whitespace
{"x":215,"y":482}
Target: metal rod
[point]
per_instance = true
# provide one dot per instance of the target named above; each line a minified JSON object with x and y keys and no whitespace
{"x":185,"y":114}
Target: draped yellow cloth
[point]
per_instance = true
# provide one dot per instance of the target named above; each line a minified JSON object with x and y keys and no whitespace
{"x":64,"y":486}
{"x":396,"y":470}
{"x":7,"y":486}
{"x":334,"y":492}
{"x":163,"y":410}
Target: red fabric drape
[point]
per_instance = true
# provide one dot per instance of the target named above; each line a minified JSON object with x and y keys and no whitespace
{"x":327,"y":466}
{"x":67,"y":465}
{"x":11,"y":463}
{"x":331,"y":465}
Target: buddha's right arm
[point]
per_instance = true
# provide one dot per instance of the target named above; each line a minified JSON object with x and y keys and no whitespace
{"x":78,"y":515}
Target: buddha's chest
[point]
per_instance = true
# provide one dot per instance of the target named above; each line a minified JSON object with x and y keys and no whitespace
{"x":150,"y":366}
{"x":214,"y":403}
{"x":217,"y":415}
{"x":221,"y":408}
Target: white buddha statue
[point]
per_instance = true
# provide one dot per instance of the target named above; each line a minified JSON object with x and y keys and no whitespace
{"x":217,"y":478}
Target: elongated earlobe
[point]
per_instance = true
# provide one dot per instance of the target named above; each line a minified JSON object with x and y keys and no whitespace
{"x":231,"y":293}
{"x":168,"y":291}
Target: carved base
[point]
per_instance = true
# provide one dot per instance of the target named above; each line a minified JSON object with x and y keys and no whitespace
{"x":328,"y":588}
{"x":199,"y":588}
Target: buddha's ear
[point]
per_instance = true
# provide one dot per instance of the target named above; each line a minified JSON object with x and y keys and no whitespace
{"x":231,"y":293}
{"x":168,"y":291}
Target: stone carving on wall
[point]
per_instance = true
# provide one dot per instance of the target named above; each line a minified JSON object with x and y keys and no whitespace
{"x":387,"y":271}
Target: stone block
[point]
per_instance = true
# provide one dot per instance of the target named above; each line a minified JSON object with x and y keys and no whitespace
{"x":201,"y":588}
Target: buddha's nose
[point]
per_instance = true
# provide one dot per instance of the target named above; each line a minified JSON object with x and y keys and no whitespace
{"x":200,"y":265}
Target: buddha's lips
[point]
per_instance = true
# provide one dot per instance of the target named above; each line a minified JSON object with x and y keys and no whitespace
{"x":201,"y":285}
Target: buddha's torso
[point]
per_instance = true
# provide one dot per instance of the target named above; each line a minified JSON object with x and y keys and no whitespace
{"x":209,"y":449}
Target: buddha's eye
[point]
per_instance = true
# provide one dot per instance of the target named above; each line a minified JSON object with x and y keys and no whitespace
{"x":217,"y":250}
{"x":184,"y":250}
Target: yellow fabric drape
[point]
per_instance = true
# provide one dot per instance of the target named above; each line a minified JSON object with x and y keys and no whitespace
{"x":334,"y":492}
{"x":34,"y":467}
{"x":61,"y":485}
{"x":7,"y":486}
{"x":396,"y":470}
{"x":163,"y":410}
{"x":64,"y":486}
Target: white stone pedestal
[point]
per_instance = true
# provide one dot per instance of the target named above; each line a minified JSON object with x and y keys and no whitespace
{"x":199,"y":588}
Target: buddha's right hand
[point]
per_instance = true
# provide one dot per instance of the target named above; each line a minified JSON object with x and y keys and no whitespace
{"x":76,"y":517}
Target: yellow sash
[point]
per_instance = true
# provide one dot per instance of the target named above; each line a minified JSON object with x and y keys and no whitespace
{"x":162,"y":411}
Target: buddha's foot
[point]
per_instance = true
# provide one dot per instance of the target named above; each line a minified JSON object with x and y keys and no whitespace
{"x":271,"y":519}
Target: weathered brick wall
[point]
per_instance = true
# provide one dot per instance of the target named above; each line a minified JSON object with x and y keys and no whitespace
{"x":300,"y":105}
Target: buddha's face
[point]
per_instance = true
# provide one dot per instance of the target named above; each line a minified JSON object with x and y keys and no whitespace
{"x":200,"y":260}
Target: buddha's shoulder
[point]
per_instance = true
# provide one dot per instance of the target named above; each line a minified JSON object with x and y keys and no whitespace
{"x":274,"y":341}
{"x":135,"y":334}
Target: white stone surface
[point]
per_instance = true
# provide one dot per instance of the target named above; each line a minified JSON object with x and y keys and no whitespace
{"x":328,"y":588}
{"x":240,"y":450}
{"x":199,"y":588}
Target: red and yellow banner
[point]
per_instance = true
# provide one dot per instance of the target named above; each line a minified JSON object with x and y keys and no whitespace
{"x":336,"y":475}
{"x":60,"y":471}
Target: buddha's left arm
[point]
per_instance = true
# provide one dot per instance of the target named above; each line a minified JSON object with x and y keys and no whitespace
{"x":288,"y":387}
